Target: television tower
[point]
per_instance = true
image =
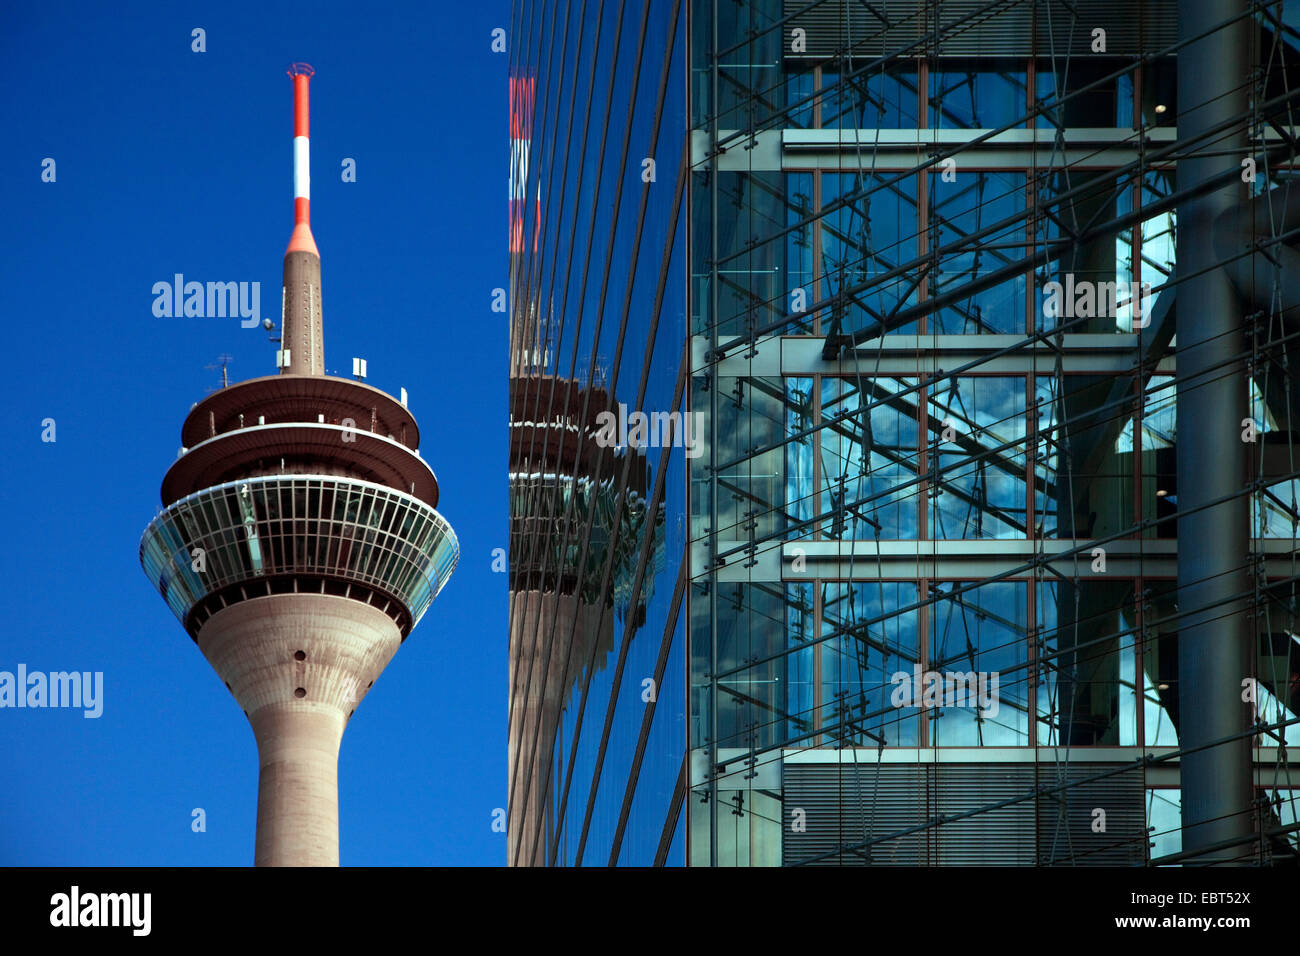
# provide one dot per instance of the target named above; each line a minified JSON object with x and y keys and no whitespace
{"x":299,"y":545}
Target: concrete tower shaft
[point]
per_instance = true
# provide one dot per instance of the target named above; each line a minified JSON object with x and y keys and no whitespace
{"x":302,"y":326}
{"x":298,"y":664}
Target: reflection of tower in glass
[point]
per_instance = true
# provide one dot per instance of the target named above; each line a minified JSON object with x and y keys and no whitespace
{"x":562,"y":605}
{"x":299,"y":545}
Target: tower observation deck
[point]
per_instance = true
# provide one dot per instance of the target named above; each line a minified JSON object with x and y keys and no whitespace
{"x":299,"y":543}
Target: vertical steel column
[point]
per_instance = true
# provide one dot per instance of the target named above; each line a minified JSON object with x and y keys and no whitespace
{"x":1215,"y":633}
{"x":713,"y":380}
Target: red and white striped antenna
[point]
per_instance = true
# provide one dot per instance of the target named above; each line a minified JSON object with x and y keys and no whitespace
{"x":301,"y":240}
{"x":302,"y":335}
{"x":523,"y":91}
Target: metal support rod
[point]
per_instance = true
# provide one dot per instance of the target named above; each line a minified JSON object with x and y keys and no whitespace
{"x":1214,"y":646}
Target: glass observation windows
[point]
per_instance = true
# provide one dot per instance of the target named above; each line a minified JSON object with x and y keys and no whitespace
{"x":335,"y":528}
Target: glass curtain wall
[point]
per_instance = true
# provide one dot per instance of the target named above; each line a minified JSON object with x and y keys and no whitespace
{"x":937,"y":515}
{"x":598,"y":438}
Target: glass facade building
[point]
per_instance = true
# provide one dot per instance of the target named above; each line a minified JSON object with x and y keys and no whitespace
{"x":926,"y":573}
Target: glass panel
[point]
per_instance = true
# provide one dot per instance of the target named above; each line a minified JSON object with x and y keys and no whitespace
{"x":1090,"y":289}
{"x":1160,"y":457}
{"x":869,"y":236}
{"x":1281,"y":809}
{"x":884,"y":98}
{"x":799,"y":490}
{"x":749,"y":66}
{"x":800,"y":688}
{"x":751,"y":699}
{"x":977,"y":425}
{"x":799,"y":89}
{"x":751,"y":486}
{"x":1096,"y":498}
{"x":1277,"y":662}
{"x":1060,"y":87}
{"x":982,"y":93}
{"x":968,"y":204}
{"x":1165,"y":821}
{"x":1160,"y":92}
{"x":869,"y":647}
{"x":1158,"y":234}
{"x":868,"y":469}
{"x":752,"y":293}
{"x":1160,"y":618}
{"x":978,"y":647}
{"x":1087,"y":691}
{"x":799,"y":264}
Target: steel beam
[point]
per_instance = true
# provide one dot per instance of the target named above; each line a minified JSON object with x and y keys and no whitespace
{"x":1214,"y":82}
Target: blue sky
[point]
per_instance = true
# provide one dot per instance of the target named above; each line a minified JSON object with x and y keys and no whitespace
{"x":169,"y":161}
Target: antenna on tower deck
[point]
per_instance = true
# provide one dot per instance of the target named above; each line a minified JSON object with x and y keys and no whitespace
{"x":223,"y":360}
